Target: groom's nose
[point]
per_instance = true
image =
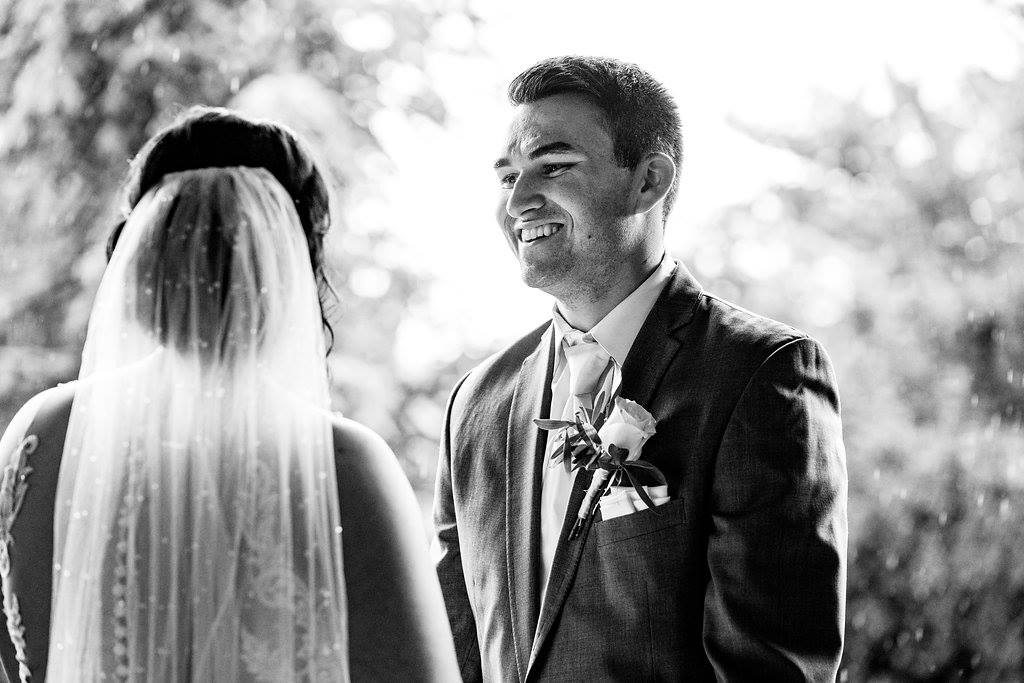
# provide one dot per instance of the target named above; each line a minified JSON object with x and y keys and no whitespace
{"x":523,"y":197}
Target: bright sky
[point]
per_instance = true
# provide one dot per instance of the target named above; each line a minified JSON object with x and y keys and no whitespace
{"x":756,"y":61}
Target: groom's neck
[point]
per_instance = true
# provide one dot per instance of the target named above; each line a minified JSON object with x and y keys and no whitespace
{"x":583,"y":307}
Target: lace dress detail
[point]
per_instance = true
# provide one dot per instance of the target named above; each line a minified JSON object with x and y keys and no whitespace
{"x":275,"y":586}
{"x":13,"y":485}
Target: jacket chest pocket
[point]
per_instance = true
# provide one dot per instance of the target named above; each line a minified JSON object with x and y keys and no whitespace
{"x":651,"y":546}
{"x":652,"y":521}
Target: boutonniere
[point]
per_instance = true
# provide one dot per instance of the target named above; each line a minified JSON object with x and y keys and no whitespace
{"x":608,"y":441}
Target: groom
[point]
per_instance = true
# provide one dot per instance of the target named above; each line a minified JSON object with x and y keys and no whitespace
{"x":739,"y":571}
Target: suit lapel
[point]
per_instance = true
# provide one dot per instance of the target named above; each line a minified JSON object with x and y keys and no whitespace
{"x":648,"y":359}
{"x":656,"y":343}
{"x":525,"y":450}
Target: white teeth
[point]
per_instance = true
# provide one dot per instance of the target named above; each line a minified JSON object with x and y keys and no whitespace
{"x":546,"y":230}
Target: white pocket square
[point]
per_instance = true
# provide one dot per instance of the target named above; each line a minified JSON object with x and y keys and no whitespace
{"x":624,"y":500}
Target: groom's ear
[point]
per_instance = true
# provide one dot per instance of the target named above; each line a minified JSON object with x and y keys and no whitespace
{"x":654,"y":177}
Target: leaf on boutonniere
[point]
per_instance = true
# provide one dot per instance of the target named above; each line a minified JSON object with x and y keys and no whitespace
{"x":565,"y":457}
{"x":618,"y":455}
{"x":648,"y":467}
{"x":599,"y":404}
{"x":558,"y":452}
{"x":588,"y":433}
{"x":582,"y":455}
{"x":553,"y":424}
{"x":640,"y":490}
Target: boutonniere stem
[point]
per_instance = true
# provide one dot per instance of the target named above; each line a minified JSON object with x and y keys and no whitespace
{"x":598,"y":487}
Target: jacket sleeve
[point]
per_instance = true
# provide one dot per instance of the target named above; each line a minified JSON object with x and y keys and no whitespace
{"x":774,"y":606}
{"x":448,"y":558}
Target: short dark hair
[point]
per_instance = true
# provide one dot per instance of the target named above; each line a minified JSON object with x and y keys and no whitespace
{"x":214,"y":137}
{"x":639,"y":112}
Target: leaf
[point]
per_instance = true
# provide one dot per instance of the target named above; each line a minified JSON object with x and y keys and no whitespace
{"x":599,"y":410}
{"x":556,"y":457}
{"x":646,"y":498}
{"x":619,"y":455}
{"x":553,"y":424}
{"x":588,"y":432}
{"x":640,"y":491}
{"x":648,"y":467}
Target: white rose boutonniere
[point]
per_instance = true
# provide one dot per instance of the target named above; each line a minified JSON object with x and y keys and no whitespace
{"x":609,"y":444}
{"x":628,"y":427}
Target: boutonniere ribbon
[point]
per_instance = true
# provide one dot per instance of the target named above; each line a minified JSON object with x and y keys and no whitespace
{"x":607,"y":441}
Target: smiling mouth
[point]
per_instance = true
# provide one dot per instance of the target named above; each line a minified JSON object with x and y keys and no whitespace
{"x":539,"y":232}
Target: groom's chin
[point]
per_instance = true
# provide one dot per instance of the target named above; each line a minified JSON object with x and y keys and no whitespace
{"x":538,"y":278}
{"x":531,"y":278}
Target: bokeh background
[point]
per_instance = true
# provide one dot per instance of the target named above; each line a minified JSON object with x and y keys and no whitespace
{"x":854,"y":169}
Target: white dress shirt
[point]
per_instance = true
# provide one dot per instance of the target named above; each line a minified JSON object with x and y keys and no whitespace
{"x":615,"y":333}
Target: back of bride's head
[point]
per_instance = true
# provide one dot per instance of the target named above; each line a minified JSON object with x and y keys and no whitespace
{"x":222,"y":242}
{"x":208,"y":137}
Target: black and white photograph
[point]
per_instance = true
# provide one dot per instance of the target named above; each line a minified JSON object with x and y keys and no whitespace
{"x":451,"y":340}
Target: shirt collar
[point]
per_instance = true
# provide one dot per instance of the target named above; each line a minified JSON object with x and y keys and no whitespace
{"x":618,"y":329}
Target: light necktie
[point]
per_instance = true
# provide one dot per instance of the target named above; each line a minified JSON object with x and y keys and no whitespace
{"x":588,"y":362}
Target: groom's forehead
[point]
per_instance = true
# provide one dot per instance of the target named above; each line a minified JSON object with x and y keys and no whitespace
{"x":528,"y":131}
{"x":541,"y":126}
{"x":523,"y":144}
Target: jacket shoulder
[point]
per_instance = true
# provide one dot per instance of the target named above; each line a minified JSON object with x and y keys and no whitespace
{"x":716,"y":328}
{"x":735,"y":344}
{"x":745,"y":333}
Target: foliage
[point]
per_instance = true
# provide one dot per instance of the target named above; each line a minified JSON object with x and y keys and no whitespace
{"x":84,"y":84}
{"x":900,"y":246}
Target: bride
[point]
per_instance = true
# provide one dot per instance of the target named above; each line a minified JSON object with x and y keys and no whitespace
{"x":205,"y":517}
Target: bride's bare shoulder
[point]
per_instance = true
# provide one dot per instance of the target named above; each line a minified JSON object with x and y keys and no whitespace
{"x":353,"y":439}
{"x":46,"y":407}
{"x":364,"y":460}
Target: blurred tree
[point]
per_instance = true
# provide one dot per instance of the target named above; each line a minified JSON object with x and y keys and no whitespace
{"x":84,"y":83}
{"x":901,"y":247}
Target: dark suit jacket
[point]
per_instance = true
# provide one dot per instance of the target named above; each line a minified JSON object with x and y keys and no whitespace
{"x":741,"y":576}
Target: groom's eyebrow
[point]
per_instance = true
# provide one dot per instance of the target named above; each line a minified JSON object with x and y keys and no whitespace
{"x":549,"y":148}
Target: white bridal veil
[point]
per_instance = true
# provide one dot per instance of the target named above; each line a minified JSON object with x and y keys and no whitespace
{"x":197,"y":533}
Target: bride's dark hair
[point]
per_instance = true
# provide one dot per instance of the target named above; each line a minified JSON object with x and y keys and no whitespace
{"x":205,"y":137}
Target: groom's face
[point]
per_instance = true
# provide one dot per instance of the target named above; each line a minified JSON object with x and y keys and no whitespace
{"x":563,"y":197}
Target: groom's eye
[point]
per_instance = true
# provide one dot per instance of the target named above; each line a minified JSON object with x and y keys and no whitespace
{"x":507,"y":181}
{"x":551,"y":170}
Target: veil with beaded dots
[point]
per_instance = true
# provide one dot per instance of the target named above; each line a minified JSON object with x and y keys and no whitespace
{"x":197,"y":532}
